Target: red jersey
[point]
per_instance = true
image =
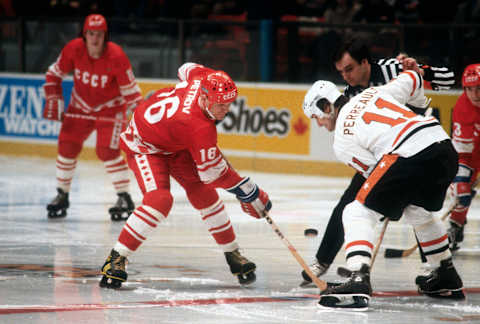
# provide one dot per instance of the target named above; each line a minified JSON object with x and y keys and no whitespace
{"x":171,"y":121}
{"x":466,"y":131}
{"x":98,"y":84}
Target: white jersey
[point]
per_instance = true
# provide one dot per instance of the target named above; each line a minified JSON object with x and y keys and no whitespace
{"x":377,"y":122}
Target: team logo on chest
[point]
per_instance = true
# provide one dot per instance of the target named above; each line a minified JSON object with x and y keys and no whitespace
{"x":91,"y":79}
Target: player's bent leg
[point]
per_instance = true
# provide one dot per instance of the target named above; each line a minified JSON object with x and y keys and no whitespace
{"x":443,"y":280}
{"x":213,"y":213}
{"x":65,"y":169}
{"x":139,"y":226}
{"x":359,"y":223}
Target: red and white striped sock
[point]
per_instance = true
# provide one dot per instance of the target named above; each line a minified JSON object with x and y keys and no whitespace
{"x":65,"y":171}
{"x":219,"y":226}
{"x":118,"y":172}
{"x":138,"y":227}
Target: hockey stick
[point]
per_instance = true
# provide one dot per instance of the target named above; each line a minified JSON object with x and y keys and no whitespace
{"x":99,"y":118}
{"x":322,"y":285}
{"x":379,"y":241}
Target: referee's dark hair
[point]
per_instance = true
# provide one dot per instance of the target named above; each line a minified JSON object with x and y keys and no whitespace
{"x":357,"y":48}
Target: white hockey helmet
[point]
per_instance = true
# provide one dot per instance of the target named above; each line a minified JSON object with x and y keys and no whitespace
{"x":312,"y":103}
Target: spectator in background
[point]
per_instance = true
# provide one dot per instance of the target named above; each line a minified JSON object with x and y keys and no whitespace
{"x":374,"y":12}
{"x":406,"y":11}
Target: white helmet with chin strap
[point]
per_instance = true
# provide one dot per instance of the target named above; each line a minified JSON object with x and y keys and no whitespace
{"x":321,"y":89}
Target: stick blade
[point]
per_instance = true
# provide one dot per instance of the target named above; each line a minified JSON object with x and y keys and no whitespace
{"x":393,"y":253}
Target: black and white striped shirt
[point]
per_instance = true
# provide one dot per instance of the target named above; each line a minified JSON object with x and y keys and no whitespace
{"x":384,"y":70}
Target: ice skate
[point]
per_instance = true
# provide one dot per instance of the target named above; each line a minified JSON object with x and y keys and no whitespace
{"x":455,"y":235}
{"x":442,"y":282}
{"x":318,"y":270}
{"x":114,"y":271}
{"x":122,"y":208}
{"x":241,"y":267}
{"x":57,"y":208}
{"x":354,"y":294}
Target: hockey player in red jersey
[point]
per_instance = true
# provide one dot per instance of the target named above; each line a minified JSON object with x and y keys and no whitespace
{"x":173,"y":133}
{"x":408,"y":161}
{"x":104,"y":89}
{"x":465,"y":121}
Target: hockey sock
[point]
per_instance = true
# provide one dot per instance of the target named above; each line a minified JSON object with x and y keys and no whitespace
{"x":219,"y":226}
{"x":65,"y":171}
{"x":138,"y":227}
{"x":118,"y":171}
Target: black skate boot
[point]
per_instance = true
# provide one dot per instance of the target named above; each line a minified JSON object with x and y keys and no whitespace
{"x":353,"y":294}
{"x":442,"y":282}
{"x":241,"y":267}
{"x":455,"y":235}
{"x":123,"y":207}
{"x":114,"y":271}
{"x":318,"y":270}
{"x":58,"y":207}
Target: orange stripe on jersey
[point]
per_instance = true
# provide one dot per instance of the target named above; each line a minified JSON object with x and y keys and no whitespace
{"x":382,"y":167}
{"x":433,"y":242}
{"x":360,"y":242}
{"x":410,"y":124}
{"x":414,"y":81}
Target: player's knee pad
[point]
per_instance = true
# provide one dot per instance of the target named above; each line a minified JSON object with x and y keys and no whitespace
{"x":69,"y":149}
{"x":359,"y":222}
{"x":417,"y":216}
{"x":201,"y":196}
{"x":106,"y":154}
{"x":161,"y":200}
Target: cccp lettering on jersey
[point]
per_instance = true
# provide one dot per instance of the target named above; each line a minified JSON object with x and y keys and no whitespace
{"x":94,"y":80}
{"x":190,"y":97}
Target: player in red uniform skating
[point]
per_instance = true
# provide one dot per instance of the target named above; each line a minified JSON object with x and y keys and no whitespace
{"x":173,"y":133}
{"x":104,"y":89}
{"x":466,"y":139}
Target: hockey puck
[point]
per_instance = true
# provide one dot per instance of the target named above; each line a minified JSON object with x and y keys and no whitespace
{"x":310,"y":232}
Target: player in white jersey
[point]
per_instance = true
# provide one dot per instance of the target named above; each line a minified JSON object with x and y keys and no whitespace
{"x":408,"y":161}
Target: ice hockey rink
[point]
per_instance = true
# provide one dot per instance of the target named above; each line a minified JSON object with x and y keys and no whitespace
{"x":49,"y":269}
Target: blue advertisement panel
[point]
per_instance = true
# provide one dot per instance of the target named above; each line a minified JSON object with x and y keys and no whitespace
{"x":21,"y":103}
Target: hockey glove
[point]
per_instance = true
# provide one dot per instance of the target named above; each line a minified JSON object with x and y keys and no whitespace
{"x":54,"y":105}
{"x":253,"y":200}
{"x":461,"y":187}
{"x":53,"y":109}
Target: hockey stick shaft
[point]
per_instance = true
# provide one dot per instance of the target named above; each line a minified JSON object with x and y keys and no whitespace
{"x":322,"y":285}
{"x":379,"y":242}
{"x":99,"y":118}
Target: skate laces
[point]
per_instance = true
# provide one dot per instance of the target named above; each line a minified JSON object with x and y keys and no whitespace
{"x":318,"y":268}
{"x":239,"y":257}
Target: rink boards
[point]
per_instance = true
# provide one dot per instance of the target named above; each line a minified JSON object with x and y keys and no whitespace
{"x":265,"y":130}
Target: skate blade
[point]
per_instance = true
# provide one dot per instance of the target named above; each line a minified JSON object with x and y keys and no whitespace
{"x":457,"y":294}
{"x":351,"y":302}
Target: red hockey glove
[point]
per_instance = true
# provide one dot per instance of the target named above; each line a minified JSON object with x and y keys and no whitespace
{"x":53,"y":109}
{"x":54,"y":104}
{"x":253,"y":200}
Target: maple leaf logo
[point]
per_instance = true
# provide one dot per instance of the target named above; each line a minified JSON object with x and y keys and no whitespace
{"x":300,"y":126}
